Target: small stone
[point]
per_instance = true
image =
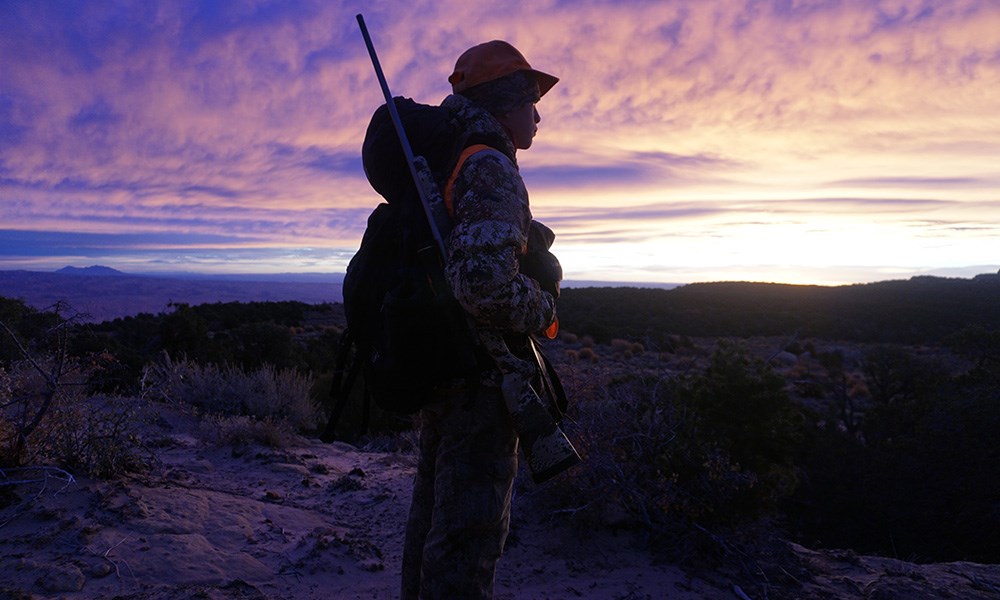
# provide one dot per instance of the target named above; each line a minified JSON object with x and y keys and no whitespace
{"x":101,"y":569}
{"x":371,"y":565}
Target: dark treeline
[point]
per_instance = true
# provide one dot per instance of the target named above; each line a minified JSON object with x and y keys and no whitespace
{"x":918,"y":310}
{"x":285,"y":335}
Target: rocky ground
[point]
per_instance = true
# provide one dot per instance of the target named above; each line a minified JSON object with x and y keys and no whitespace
{"x":309,"y":520}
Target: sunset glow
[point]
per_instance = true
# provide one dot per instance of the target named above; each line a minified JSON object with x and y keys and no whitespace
{"x":805,"y":141}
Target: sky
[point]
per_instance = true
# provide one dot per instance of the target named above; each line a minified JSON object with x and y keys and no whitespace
{"x":798,"y":141}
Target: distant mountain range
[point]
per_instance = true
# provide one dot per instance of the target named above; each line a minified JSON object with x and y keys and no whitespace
{"x":102,"y":271}
{"x":93,"y":271}
{"x":103,"y":293}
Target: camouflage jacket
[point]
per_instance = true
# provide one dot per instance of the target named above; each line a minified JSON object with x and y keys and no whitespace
{"x":490,"y":235}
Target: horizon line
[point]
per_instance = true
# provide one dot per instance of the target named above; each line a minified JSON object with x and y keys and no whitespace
{"x":336,"y":277}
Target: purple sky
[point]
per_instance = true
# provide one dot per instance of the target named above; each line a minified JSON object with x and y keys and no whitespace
{"x":804,"y":141}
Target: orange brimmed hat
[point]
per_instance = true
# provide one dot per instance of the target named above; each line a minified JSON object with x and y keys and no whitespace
{"x":493,"y":60}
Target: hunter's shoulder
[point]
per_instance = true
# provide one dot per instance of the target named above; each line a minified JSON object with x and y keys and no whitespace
{"x":477,"y":124}
{"x":490,"y":162}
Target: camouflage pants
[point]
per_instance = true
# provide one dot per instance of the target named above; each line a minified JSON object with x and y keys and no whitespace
{"x":460,"y":512}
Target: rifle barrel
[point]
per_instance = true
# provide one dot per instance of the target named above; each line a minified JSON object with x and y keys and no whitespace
{"x":403,"y":140}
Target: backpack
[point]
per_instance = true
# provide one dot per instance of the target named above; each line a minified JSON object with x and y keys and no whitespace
{"x":405,"y":334}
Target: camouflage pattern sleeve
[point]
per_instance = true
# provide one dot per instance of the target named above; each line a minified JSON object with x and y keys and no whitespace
{"x":492,"y":221}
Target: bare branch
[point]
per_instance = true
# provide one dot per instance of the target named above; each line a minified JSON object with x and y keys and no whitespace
{"x":27,"y":355}
{"x":123,"y":561}
{"x":46,"y":474}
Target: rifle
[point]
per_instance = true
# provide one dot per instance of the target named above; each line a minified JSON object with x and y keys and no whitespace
{"x":548,"y":450}
{"x":430,"y":196}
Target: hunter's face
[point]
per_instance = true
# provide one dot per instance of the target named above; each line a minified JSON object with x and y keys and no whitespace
{"x":522,"y":124}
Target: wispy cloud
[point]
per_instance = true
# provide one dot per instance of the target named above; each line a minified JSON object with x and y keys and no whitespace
{"x":920,"y":182}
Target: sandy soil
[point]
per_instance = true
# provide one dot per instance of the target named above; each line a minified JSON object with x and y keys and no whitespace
{"x":314,"y":520}
{"x":310,"y":520}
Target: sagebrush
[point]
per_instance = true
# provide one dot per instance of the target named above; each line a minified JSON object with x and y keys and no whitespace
{"x":264,"y":393}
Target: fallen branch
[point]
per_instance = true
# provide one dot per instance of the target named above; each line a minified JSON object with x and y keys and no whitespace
{"x":61,"y":475}
{"x":47,"y":473}
{"x":115,"y":564}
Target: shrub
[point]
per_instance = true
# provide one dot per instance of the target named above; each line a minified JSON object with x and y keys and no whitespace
{"x":921,"y":480}
{"x":243,"y":430}
{"x":673,"y":455}
{"x":46,"y":417}
{"x":99,"y":435}
{"x":742,"y":404}
{"x":95,"y":434}
{"x":265,"y":393}
{"x":620,"y":346}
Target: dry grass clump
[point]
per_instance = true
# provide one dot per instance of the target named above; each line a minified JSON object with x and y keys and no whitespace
{"x":243,"y":430}
{"x":626,"y":348}
{"x":267,"y":395}
{"x":588,"y":354}
{"x":569,"y":338}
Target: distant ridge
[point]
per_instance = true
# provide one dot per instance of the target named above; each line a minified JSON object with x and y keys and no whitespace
{"x":919,"y":310}
{"x":102,"y":293}
{"x":291,"y":277}
{"x":588,"y":283}
{"x":91,"y":271}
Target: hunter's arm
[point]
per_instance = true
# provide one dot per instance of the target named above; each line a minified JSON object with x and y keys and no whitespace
{"x":492,"y":220}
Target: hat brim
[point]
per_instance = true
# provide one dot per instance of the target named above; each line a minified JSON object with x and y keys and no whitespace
{"x":544,"y":80}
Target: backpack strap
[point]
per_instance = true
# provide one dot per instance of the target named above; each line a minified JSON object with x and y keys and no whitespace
{"x":449,"y":187}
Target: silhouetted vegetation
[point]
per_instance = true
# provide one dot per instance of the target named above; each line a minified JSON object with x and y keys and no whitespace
{"x":284,"y":335}
{"x":920,"y":478}
{"x":677,"y":455}
{"x":27,"y":324}
{"x":48,"y":414}
{"x":922,"y":309}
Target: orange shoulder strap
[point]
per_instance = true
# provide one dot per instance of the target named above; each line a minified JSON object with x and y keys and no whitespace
{"x":450,"y":186}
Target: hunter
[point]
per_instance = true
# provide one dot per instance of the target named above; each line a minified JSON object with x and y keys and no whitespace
{"x":461,"y":507}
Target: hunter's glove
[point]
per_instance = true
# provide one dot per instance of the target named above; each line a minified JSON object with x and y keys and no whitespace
{"x":540,"y":264}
